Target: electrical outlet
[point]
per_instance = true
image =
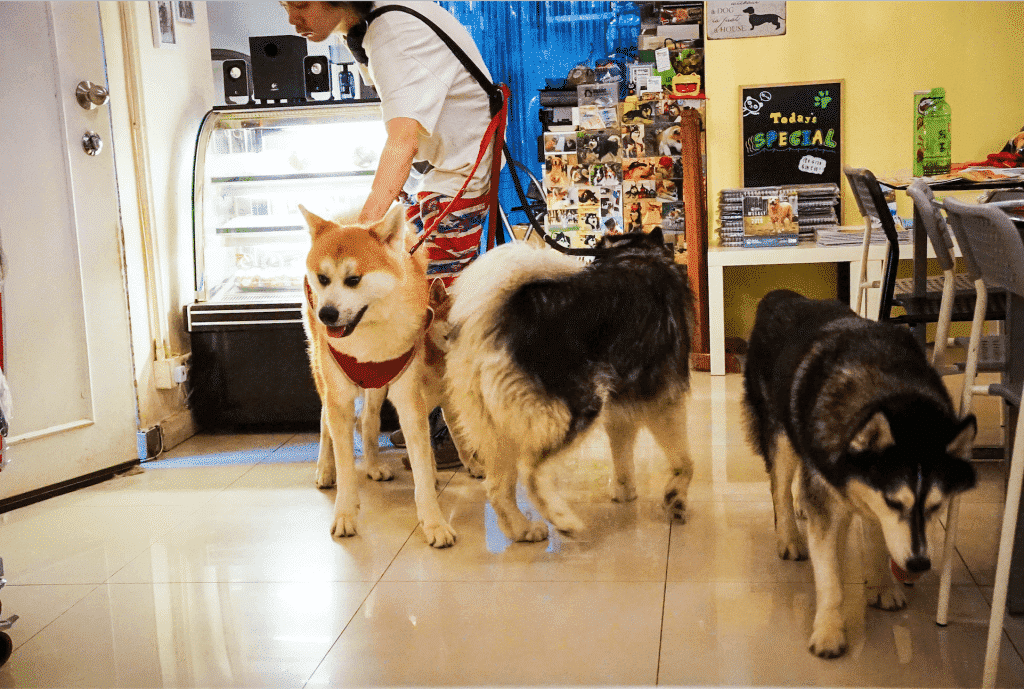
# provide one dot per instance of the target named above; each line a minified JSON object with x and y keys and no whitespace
{"x":170,"y":372}
{"x":179,"y":374}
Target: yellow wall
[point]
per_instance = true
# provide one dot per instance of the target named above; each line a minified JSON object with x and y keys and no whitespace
{"x":884,"y":51}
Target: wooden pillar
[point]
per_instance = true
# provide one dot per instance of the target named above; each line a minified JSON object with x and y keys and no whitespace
{"x":695,"y":208}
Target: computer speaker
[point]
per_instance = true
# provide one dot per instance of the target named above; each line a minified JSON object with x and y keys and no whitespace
{"x":236,"y":78}
{"x":318,"y":75}
{"x":277,"y":67}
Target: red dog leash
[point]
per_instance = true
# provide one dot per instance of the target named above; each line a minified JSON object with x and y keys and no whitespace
{"x":494,"y":137}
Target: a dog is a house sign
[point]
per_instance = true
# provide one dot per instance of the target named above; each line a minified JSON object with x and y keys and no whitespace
{"x":739,"y":19}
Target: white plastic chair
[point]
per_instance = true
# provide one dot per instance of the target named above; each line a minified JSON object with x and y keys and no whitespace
{"x":862,"y":196}
{"x":959,"y":290}
{"x":995,"y":246}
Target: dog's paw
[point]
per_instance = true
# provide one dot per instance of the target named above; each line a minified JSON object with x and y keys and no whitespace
{"x":886,"y":598}
{"x":344,"y":525}
{"x":476,"y":468}
{"x":567,"y":524}
{"x":792,"y":549}
{"x":829,"y":642}
{"x":439,"y":535}
{"x":531,"y":532}
{"x":380,"y":472}
{"x":325,"y":476}
{"x":623,"y":491}
{"x":675,"y":503}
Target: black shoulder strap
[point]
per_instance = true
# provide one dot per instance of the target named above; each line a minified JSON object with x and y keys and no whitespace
{"x":492,"y":90}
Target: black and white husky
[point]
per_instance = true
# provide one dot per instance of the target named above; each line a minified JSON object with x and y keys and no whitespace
{"x":852,"y":408}
{"x":542,"y":345}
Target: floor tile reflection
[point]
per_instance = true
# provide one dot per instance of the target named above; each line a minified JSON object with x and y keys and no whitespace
{"x":215,"y":567}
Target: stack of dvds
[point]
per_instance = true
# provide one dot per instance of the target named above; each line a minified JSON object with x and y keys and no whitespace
{"x":759,"y":216}
{"x":730,"y":214}
{"x":818,"y":204}
{"x":777,"y":215}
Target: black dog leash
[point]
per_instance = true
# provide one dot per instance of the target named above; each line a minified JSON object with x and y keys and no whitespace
{"x":354,"y":42}
{"x":496,"y":101}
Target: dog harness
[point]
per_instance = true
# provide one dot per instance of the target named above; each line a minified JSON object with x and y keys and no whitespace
{"x":372,"y":374}
{"x":494,"y":137}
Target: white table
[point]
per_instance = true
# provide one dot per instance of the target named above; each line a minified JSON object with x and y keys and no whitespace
{"x":721,"y":257}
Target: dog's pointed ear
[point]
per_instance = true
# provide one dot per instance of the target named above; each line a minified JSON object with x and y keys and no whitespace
{"x":874,"y":436}
{"x":962,"y":444}
{"x":656,"y":235}
{"x":317,"y":225}
{"x":437,"y":294}
{"x":390,"y":230}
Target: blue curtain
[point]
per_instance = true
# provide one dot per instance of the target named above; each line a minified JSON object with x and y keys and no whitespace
{"x":524,"y":43}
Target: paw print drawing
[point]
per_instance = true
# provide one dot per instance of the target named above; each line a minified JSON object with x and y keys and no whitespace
{"x":822,"y":99}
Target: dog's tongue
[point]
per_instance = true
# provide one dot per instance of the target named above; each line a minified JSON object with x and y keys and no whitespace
{"x":340,"y":331}
{"x":902,"y":574}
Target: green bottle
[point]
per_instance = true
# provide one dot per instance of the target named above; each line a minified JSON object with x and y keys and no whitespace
{"x":937,"y":133}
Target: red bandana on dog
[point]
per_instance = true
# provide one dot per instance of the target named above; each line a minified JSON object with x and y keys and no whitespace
{"x":371,"y":374}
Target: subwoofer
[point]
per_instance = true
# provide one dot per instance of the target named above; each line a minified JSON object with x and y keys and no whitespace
{"x":277,"y":67}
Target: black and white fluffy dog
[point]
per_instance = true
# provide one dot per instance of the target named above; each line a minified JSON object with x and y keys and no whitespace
{"x":542,"y":346}
{"x":854,"y":411}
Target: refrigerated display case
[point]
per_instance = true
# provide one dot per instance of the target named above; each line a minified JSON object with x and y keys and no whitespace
{"x":253,"y":167}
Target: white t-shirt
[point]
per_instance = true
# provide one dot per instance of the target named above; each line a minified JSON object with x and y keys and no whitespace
{"x":418,"y":76}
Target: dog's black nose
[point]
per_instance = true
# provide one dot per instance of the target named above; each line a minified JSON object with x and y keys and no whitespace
{"x":916,"y":565}
{"x":328,"y":315}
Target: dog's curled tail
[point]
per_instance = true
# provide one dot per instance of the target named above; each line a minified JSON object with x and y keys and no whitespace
{"x":479,"y":381}
{"x":486,"y":284}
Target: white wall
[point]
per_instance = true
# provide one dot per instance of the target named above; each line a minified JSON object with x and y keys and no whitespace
{"x":231,"y":24}
{"x":154,"y":154}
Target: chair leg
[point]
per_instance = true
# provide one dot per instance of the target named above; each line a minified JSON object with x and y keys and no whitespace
{"x":862,"y":283}
{"x":946,"y":578}
{"x":945,"y":316}
{"x":995,"y":624}
{"x":966,"y":404}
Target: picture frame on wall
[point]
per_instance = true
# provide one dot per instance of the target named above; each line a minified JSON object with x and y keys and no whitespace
{"x":161,"y":13}
{"x":185,"y":11}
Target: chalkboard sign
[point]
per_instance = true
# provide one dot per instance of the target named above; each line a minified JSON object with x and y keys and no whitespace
{"x":792,"y":134}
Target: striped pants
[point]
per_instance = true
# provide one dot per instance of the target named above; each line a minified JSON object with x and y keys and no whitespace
{"x":456,"y":242}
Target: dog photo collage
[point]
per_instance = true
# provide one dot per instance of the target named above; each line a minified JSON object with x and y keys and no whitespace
{"x":620,"y":171}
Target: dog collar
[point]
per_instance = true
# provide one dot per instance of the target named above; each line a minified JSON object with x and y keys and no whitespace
{"x":372,"y":374}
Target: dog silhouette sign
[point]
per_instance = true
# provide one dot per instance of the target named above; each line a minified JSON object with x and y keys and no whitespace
{"x":741,"y":19}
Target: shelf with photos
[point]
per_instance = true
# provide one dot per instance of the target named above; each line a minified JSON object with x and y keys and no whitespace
{"x":619,"y":170}
{"x":617,"y":166}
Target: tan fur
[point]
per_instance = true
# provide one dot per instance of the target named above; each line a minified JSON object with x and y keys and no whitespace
{"x":391,"y":295}
{"x":780,"y":214}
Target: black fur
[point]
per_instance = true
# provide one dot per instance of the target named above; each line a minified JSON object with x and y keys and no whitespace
{"x":644,"y":111}
{"x":758,"y":19}
{"x":818,"y":372}
{"x":622,"y":323}
{"x":602,"y":148}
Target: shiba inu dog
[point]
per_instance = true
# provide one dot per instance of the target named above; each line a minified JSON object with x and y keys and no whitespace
{"x":542,"y":346}
{"x":853,"y":410}
{"x":370,"y":330}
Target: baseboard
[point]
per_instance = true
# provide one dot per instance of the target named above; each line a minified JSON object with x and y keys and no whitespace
{"x":178,"y":428}
{"x":40,"y":494}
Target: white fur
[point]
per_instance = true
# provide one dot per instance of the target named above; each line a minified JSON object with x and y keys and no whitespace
{"x":512,"y":424}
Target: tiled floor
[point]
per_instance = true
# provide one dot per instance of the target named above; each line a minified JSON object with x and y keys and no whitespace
{"x":220,"y":571}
